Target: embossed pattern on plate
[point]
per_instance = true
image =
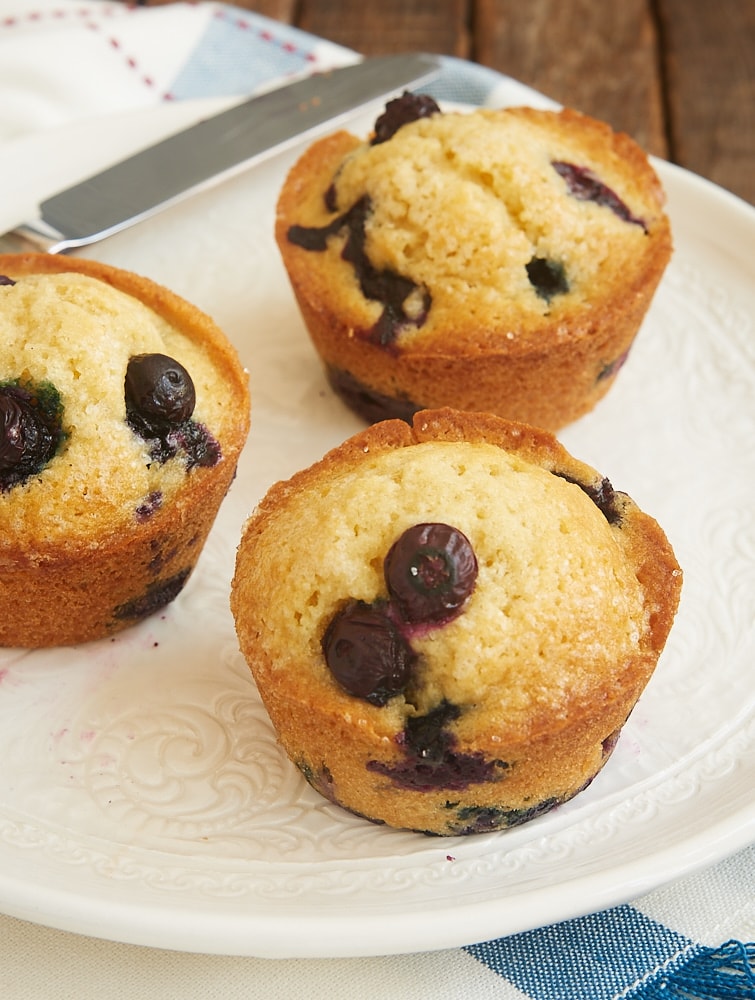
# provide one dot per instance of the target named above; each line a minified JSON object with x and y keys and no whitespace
{"x":143,"y":795}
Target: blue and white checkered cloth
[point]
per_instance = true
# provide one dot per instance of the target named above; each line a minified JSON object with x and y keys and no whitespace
{"x":691,"y":940}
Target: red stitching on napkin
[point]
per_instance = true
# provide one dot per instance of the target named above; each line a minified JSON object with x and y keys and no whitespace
{"x":58,"y":14}
{"x":264,"y":34}
{"x":130,"y":61}
{"x":92,"y":23}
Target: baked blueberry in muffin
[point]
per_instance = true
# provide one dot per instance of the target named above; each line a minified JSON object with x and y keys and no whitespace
{"x":450,"y":622}
{"x":499,"y":261}
{"x":123,"y":410}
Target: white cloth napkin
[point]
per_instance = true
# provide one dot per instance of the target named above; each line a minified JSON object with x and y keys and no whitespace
{"x":62,"y":60}
{"x":67,"y":60}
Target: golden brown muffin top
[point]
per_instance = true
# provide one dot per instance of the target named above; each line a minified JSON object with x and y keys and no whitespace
{"x":559,"y":610}
{"x":76,"y":333}
{"x":461,"y":204}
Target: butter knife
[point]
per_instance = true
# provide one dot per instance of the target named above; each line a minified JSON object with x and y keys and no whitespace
{"x":213,"y":150}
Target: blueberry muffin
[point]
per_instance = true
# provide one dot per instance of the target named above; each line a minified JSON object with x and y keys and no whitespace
{"x":450,"y":622}
{"x":500,"y":261}
{"x":123,"y":410}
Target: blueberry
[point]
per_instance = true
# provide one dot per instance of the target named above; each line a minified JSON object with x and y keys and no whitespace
{"x":321,"y":779}
{"x":20,"y":431}
{"x":584,"y":185}
{"x":191,"y":439}
{"x":482,"y":819}
{"x":431,"y":760}
{"x":372,"y":406}
{"x":366,"y":653}
{"x":196,"y":442}
{"x":426,"y":736}
{"x":609,"y":743}
{"x":430,"y":572}
{"x":149,"y":506}
{"x":400,"y":111}
{"x":385,"y":286}
{"x":392,"y":290}
{"x":603,"y":496}
{"x":159,"y":390}
{"x":330,"y":198}
{"x":5,"y":280}
{"x":547,"y":277}
{"x":160,"y":400}
{"x":610,"y":369}
{"x":30,"y":430}
{"x":315,"y":238}
{"x":155,"y":597}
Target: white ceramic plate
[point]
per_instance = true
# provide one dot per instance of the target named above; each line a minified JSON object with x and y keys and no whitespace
{"x":143,"y":797}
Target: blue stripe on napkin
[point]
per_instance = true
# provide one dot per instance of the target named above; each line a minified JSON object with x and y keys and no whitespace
{"x":725,"y":973}
{"x":238,"y":52}
{"x":590,"y":958}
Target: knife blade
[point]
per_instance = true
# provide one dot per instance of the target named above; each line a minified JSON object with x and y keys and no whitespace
{"x":213,"y":150}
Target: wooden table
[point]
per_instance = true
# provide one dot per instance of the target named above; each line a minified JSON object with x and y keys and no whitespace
{"x":677,"y":75}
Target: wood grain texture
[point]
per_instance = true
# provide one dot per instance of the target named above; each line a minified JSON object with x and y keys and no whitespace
{"x":709,"y":51}
{"x":600,"y":58}
{"x":390,"y":25}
